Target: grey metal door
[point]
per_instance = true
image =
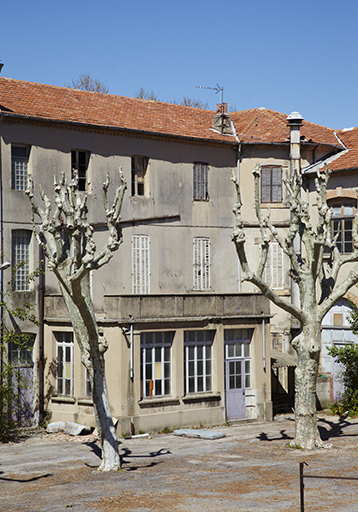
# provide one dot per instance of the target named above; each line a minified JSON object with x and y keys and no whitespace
{"x":235,"y":390}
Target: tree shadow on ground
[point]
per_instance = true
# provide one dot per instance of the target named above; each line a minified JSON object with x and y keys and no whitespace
{"x":264,"y":437}
{"x":127,"y":454}
{"x":332,"y":429}
{"x":23,"y":480}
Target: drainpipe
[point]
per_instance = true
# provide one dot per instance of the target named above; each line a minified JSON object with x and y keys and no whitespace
{"x":294,"y":122}
{"x":263,"y":342}
{"x":233,"y":130}
{"x":41,"y":362}
{"x":131,"y":372}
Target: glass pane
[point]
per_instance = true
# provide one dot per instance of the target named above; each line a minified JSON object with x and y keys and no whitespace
{"x":230,"y":350}
{"x":158,"y":338}
{"x":208,"y":367}
{"x":68,"y":354}
{"x":247,"y":381}
{"x":199,"y":336}
{"x":208,"y":352}
{"x":238,"y":334}
{"x":232,"y":368}
{"x":166,"y":370}
{"x":238,"y":367}
{"x":167,"y":354}
{"x":167,"y":387}
{"x":59,"y":369}
{"x":67,"y":387}
{"x":200,"y":384}
{"x":167,"y":337}
{"x":200,"y":368}
{"x":191,"y":353}
{"x":158,"y":354}
{"x":238,"y":349}
{"x":247,"y":366}
{"x":246,"y":349}
{"x":191,"y":385}
{"x":148,"y":355}
{"x":246,"y":334}
{"x":232,"y":382}
{"x":238,"y":381}
{"x":60,"y":386}
{"x":191,"y":336}
{"x":148,"y":371}
{"x":200,"y":352}
{"x":208,"y":383}
{"x":191,"y":368}
{"x":158,"y":387}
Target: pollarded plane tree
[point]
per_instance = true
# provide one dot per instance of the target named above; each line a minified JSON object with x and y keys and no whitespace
{"x":316,"y":275}
{"x":67,"y":239}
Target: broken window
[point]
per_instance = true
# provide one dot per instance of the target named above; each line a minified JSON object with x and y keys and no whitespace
{"x":79,"y":163}
{"x":139,"y":175}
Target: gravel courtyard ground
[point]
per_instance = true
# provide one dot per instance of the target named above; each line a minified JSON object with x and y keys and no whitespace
{"x":250,"y":469}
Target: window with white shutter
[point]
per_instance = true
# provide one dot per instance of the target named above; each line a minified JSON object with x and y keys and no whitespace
{"x":273,"y":272}
{"x":271,"y":184}
{"x":19,"y":167}
{"x":200,"y":182}
{"x":140,"y":264}
{"x":21,"y":239}
{"x":201,"y":263}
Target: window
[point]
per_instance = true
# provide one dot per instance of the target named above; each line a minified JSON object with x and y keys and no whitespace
{"x":201,"y":263}
{"x":342,"y":225}
{"x":79,"y":163}
{"x":271,"y":184}
{"x":156,"y":363}
{"x":64,"y":374}
{"x":139,"y":171}
{"x":200,"y":176}
{"x":237,"y":346}
{"x":88,"y":384}
{"x":273,"y":272}
{"x":21,"y":259}
{"x":140,"y":264}
{"x":21,"y":350}
{"x":198,"y":361}
{"x":20,"y":167}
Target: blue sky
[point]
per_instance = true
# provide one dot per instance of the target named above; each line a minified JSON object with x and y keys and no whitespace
{"x":279,"y":54}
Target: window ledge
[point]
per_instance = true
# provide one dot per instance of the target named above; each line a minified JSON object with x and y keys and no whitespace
{"x":85,"y":401}
{"x":63,"y":399}
{"x":282,"y":291}
{"x":202,"y":397}
{"x":158,"y":400}
{"x":275,"y":205}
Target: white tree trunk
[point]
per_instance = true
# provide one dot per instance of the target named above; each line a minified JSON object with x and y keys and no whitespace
{"x":307,"y":345}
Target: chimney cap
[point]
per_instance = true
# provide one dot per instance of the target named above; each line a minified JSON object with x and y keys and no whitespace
{"x":294,"y":117}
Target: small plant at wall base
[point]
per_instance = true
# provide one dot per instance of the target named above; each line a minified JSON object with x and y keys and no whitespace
{"x":347,"y":356}
{"x":16,"y":353}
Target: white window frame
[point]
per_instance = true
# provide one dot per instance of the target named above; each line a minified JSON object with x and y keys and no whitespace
{"x":271,"y":184}
{"x":20,"y":248}
{"x":200,"y":181}
{"x":156,"y":350}
{"x":20,"y":167}
{"x":238,"y":346}
{"x":139,"y":166}
{"x":201,"y":263}
{"x":140,"y":264}
{"x":273,"y":273}
{"x":198,"y":370}
{"x":64,"y":360}
{"x":81,"y":167}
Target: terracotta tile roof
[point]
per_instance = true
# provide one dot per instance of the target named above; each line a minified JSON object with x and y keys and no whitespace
{"x":263,"y":125}
{"x":70,"y":105}
{"x":347,"y":159}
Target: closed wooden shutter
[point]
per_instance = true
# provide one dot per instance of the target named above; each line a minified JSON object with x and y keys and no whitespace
{"x":276,"y":187}
{"x":140,"y":264}
{"x":273,"y":272}
{"x":266,"y":185}
{"x":201,"y":263}
{"x":200,"y":182}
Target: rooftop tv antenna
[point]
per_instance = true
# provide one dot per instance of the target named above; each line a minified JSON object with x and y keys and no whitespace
{"x":217,"y":89}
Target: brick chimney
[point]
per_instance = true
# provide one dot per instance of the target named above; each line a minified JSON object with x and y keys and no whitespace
{"x":222,"y":120}
{"x":221,"y":108}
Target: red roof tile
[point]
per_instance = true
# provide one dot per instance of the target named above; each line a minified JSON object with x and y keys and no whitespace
{"x":70,"y":105}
